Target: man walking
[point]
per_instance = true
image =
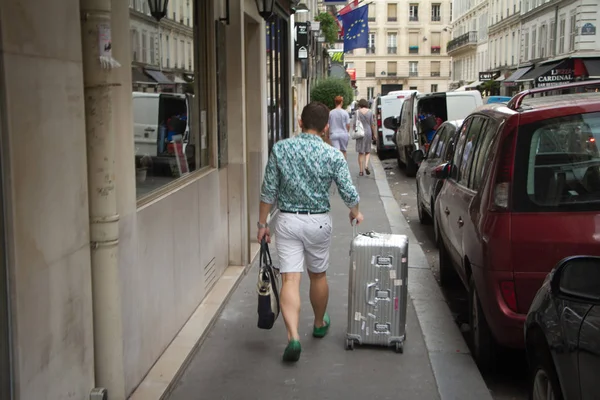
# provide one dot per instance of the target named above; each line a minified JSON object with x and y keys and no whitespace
{"x":298,"y":176}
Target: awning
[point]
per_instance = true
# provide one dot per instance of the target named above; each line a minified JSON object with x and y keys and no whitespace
{"x":158,"y":76}
{"x":138,"y":76}
{"x":179,"y":80}
{"x":474,"y":85}
{"x":551,"y":74}
{"x":592,"y":67}
{"x":500,"y":79}
{"x":517,"y":74}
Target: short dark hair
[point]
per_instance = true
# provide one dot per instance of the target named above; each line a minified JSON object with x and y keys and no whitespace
{"x":363,"y":103}
{"x":315,"y":116}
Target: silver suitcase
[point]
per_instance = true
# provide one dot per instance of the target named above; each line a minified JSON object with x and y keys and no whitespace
{"x":377,"y":290}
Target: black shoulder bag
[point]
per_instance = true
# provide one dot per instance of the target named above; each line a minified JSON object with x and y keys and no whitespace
{"x":268,"y":289}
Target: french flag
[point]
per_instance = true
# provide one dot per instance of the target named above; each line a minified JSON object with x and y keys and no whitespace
{"x":351,"y":6}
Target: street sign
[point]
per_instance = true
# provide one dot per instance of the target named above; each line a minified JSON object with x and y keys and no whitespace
{"x":588,"y":29}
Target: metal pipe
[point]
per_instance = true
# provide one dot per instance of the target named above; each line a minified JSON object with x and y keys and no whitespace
{"x":98,"y":66}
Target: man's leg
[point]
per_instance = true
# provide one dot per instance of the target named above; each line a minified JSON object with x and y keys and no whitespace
{"x":290,"y":303}
{"x":319,"y":296}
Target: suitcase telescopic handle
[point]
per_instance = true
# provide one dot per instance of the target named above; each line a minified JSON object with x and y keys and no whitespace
{"x":354,"y":228}
{"x":368,"y":288}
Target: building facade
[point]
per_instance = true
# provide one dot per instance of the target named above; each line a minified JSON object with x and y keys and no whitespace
{"x":407,"y":48}
{"x":107,"y":252}
{"x":162,"y":53}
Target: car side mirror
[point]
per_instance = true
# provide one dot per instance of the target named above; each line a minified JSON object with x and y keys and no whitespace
{"x":577,"y":278}
{"x":442,"y":171}
{"x":418,"y":156}
{"x":392,"y":123}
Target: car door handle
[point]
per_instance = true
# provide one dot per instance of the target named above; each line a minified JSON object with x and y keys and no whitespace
{"x":460,"y":222}
{"x":446,"y":211}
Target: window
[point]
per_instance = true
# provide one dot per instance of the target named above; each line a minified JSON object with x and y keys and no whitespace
{"x":559,"y":164}
{"x":182,"y":54}
{"x":543,"y":40}
{"x":533,"y":42}
{"x":168,"y":142}
{"x":413,"y":68}
{"x":413,"y":88}
{"x":413,"y":12}
{"x":436,"y":68}
{"x":372,"y":12}
{"x":370,"y":92}
{"x":371,"y":44}
{"x":525,"y":6}
{"x":463,"y":159}
{"x":573,"y":32}
{"x":552,"y":45}
{"x":561,"y":36}
{"x":370,"y":69}
{"x":392,"y":39}
{"x":392,"y":12}
{"x":434,"y":88}
{"x":436,"y":42}
{"x":462,"y":136}
{"x":190,"y":57}
{"x":436,"y":16}
{"x":413,"y":43}
{"x":392,"y":68}
{"x":484,"y":145}
{"x":432,"y":154}
{"x":526,"y":47}
{"x":144,"y":55}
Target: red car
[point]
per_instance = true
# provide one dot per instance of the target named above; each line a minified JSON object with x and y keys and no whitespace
{"x":521,"y":193}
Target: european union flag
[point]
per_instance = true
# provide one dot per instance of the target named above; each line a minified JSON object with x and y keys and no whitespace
{"x":356,"y":29}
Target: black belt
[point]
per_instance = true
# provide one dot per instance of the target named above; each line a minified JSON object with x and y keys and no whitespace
{"x":303,"y":212}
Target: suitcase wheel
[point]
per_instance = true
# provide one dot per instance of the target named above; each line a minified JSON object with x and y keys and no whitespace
{"x":349,"y":344}
{"x":399,"y":347}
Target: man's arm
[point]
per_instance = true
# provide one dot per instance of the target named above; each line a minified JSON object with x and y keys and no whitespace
{"x":268,"y":196}
{"x":348,"y":192}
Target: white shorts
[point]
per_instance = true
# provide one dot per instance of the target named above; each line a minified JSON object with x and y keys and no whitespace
{"x":303,"y":238}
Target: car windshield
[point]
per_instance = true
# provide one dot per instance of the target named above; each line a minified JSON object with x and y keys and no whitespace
{"x":562,"y":163}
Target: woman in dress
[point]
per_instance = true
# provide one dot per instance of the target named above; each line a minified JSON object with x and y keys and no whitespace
{"x":339,"y":124}
{"x":363,"y":146}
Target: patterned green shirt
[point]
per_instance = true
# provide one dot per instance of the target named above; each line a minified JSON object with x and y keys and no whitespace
{"x":299,"y":175}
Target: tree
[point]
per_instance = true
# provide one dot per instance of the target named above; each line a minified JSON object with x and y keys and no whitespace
{"x":327,"y":89}
{"x":328,"y":26}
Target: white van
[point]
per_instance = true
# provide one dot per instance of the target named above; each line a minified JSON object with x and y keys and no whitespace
{"x":447,"y":106}
{"x":384,"y":107}
{"x":151,"y":111}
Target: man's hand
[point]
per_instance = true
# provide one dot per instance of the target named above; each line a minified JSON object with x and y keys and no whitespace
{"x":358,"y":217}
{"x":264,"y":233}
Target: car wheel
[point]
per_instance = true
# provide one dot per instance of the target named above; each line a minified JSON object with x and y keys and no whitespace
{"x":423,"y":217}
{"x":484,"y":350}
{"x":545,"y":384}
{"x":447,"y":272}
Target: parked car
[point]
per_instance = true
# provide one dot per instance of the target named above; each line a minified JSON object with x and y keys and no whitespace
{"x":440,"y":152}
{"x":411,"y":134}
{"x":497,"y":99}
{"x":385,"y":107}
{"x":562,"y":332}
{"x":521,"y":193}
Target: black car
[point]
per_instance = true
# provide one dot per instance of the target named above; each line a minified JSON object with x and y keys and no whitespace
{"x":562,"y":332}
{"x":439,"y":153}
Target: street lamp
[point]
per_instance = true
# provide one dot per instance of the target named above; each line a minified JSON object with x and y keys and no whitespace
{"x":265,"y":8}
{"x":158,"y":8}
{"x":301,"y":8}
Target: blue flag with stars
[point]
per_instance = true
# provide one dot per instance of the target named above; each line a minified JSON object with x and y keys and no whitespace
{"x":356,"y":29}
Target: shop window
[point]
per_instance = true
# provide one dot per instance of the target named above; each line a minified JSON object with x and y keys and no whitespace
{"x":278,"y":80}
{"x":169,"y":106}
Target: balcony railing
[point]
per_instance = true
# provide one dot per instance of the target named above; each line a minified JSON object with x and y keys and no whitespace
{"x":370,"y":74}
{"x":413,"y":18}
{"x":392,"y":74}
{"x":463,"y":40}
{"x":392,"y":50}
{"x":371,"y":50}
{"x":413,"y":73}
{"x":392,"y":19}
{"x":436,"y":18}
{"x":435,"y":73}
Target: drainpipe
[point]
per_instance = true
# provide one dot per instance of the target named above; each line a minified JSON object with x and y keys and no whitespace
{"x":555,"y":31}
{"x":98,"y":78}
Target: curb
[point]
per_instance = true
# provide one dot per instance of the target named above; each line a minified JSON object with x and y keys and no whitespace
{"x":453,"y":367}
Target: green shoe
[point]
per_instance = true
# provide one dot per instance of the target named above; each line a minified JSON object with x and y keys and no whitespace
{"x":322,"y":331}
{"x":292,"y":351}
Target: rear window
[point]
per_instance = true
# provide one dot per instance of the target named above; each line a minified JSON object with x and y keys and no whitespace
{"x":558,"y":165}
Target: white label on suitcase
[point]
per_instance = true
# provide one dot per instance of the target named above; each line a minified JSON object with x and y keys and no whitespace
{"x":372,"y":315}
{"x":357,"y":316}
{"x":392,"y":274}
{"x":362,"y":328}
{"x":367,"y":331}
{"x":398,"y":282}
{"x":373,"y":260}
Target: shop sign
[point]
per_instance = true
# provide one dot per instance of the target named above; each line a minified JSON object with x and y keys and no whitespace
{"x":489,"y":76}
{"x":588,"y":29}
{"x":352,"y":73}
{"x":556,"y":77}
{"x":336,"y":56}
{"x":301,"y":36}
{"x":302,"y":53}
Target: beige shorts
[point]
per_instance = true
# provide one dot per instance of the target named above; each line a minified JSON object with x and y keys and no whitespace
{"x":303,"y":239}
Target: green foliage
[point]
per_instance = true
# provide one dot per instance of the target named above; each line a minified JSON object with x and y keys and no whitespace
{"x":328,"y":26}
{"x":327,"y":89}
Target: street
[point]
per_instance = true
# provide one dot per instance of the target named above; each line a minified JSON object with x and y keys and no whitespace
{"x":510,"y":380}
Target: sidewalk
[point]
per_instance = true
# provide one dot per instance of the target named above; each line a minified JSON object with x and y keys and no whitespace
{"x":239,"y":361}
